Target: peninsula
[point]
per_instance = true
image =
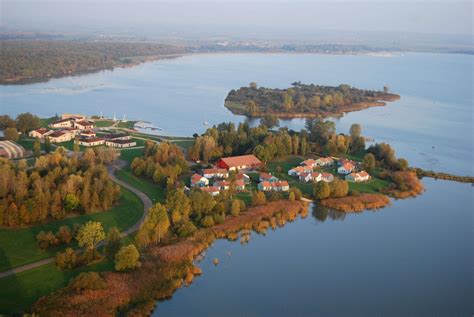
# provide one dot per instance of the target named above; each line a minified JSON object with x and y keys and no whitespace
{"x":304,"y":101}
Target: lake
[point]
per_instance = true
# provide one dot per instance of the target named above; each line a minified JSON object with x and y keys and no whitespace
{"x":431,"y":125}
{"x":413,"y":258}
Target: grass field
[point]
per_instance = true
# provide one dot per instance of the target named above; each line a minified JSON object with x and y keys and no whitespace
{"x":184,"y":143}
{"x":19,"y":247}
{"x":103,"y":123}
{"x":27,"y":143}
{"x":152,"y":190}
{"x":129,"y":154}
{"x":126,"y":125}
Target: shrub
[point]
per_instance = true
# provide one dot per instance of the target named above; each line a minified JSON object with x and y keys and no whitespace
{"x":64,"y":234}
{"x":219,"y":218}
{"x":235,"y":208}
{"x":127,"y":258}
{"x":87,"y":281}
{"x":46,"y":239}
{"x":113,"y":243}
{"x":291,"y":196}
{"x":321,"y":190}
{"x":207,"y":221}
{"x":296,"y":192}
{"x":66,"y":260}
{"x":258,"y":198}
{"x":186,"y":229}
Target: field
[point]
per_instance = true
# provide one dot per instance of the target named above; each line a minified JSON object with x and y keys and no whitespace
{"x":19,"y":246}
{"x":103,"y":123}
{"x":152,"y":190}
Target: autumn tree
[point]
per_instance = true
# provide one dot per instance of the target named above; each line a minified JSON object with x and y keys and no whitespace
{"x":321,"y":190}
{"x":37,"y":147}
{"x":368,"y":162}
{"x":113,"y":242}
{"x":26,"y":122}
{"x":89,"y":235}
{"x":11,"y":134}
{"x":155,"y":226}
{"x":258,"y":198}
{"x":128,"y":258}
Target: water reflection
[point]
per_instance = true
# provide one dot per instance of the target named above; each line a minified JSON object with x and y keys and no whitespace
{"x":321,"y":213}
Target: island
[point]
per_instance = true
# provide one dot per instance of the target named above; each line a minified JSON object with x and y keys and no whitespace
{"x":304,"y":101}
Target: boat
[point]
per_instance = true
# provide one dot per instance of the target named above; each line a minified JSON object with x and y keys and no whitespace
{"x":206,"y":123}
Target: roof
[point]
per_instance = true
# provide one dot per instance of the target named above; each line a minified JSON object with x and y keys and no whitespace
{"x":280,"y":184}
{"x":309,"y":162}
{"x":241,"y":160}
{"x":196,"y":178}
{"x":84,"y":123}
{"x":115,"y":135}
{"x":266,"y":184}
{"x":266,"y":176}
{"x":214,"y":171}
{"x":326,"y":175}
{"x":121,"y":141}
{"x":42,"y":130}
{"x":304,"y":175}
{"x":348,"y":166}
{"x":300,"y":169}
{"x":239,"y":183}
{"x":325,"y":159}
{"x":222,"y":183}
{"x":57,"y":134}
{"x":61,"y":121}
{"x":11,"y":149}
{"x":316,"y":174}
{"x":87,"y":132}
{"x":90,"y":140}
{"x":210,"y":189}
{"x":363,"y":174}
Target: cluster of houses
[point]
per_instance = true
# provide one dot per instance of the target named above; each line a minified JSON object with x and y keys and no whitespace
{"x":73,"y":126}
{"x":268,"y":182}
{"x":306,"y":170}
{"x":219,"y":177}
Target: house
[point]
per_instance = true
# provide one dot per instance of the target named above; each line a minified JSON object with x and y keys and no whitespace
{"x":214,"y":191}
{"x":60,"y":136}
{"x":88,"y":134}
{"x":239,"y":185}
{"x":62,"y":123}
{"x":244,"y":177}
{"x":327,"y":177}
{"x":264,"y":186}
{"x":215,"y":173}
{"x":199,"y":181}
{"x":83,"y":125}
{"x":310,"y":163}
{"x":347,"y":168}
{"x":310,"y":177}
{"x":296,"y":171}
{"x":91,"y":141}
{"x":324,"y":161}
{"x":72,"y":131}
{"x":236,"y":163}
{"x":343,"y":161}
{"x":280,"y":186}
{"x":11,"y":150}
{"x":120,"y":143}
{"x":358,"y":177}
{"x":265,"y":177}
{"x":40,"y":133}
{"x":71,"y":116}
{"x":222,"y":185}
{"x":117,"y":136}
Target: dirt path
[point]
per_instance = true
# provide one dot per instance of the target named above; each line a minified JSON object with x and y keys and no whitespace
{"x":146,"y":205}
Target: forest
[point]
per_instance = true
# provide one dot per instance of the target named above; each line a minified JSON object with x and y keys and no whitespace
{"x":302,"y":99}
{"x":28,"y":61}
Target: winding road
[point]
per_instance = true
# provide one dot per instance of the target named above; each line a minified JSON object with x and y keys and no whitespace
{"x":119,"y":164}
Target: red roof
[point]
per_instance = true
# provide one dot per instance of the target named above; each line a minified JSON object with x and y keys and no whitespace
{"x":363,"y":174}
{"x":348,"y":166}
{"x":90,"y":140}
{"x":210,"y":189}
{"x":42,"y":130}
{"x":243,"y":160}
{"x":61,"y":121}
{"x":87,"y":132}
{"x":280,"y":184}
{"x":223,"y":183}
{"x":214,"y":171}
{"x":84,"y":123}
{"x":309,"y":162}
{"x":265,"y":176}
{"x":266,"y":184}
{"x":196,"y":178}
{"x":56,"y":134}
{"x":239,"y":183}
{"x":326,"y":175}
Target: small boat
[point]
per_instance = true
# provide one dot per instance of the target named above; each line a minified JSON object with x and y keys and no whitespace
{"x":206,"y":123}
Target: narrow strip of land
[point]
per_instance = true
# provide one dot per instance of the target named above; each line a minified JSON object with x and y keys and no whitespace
{"x":146,"y":205}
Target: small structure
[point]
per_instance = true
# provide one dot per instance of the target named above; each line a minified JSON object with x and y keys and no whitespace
{"x":264,"y":186}
{"x":327,"y":177}
{"x":214,"y":191}
{"x":236,"y":163}
{"x":117,"y":136}
{"x":347,"y":168}
{"x":296,"y":171}
{"x":83,"y":125}
{"x":265,"y":177}
{"x":199,"y":181}
{"x":280,"y":186}
{"x":61,"y":136}
{"x":11,"y":150}
{"x":358,"y":177}
{"x":91,"y":141}
{"x":239,"y":185}
{"x":62,"y":123}
{"x":242,"y":176}
{"x":40,"y":133}
{"x":215,"y":173}
{"x":325,"y":161}
{"x":120,"y":143}
{"x":222,"y":185}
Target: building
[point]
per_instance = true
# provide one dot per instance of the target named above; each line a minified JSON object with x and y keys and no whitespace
{"x":325,"y":161}
{"x":222,"y":185}
{"x":117,"y":136}
{"x":296,"y":171}
{"x":215,"y":173}
{"x":265,"y":177}
{"x":239,"y":185}
{"x":40,"y":133}
{"x":60,"y":136}
{"x":11,"y":150}
{"x":214,"y":191}
{"x":280,"y":186}
{"x":88,"y":134}
{"x":347,"y":168}
{"x":244,"y":177}
{"x":264,"y":186}
{"x":199,"y":181}
{"x":62,"y":123}
{"x":358,"y":177}
{"x":309,"y":163}
{"x":71,"y":116}
{"x":91,"y":141}
{"x":83,"y":125}
{"x":120,"y":143}
{"x":236,"y":163}
{"x":327,"y":177}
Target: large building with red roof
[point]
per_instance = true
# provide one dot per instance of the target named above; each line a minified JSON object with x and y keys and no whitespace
{"x":235,"y":163}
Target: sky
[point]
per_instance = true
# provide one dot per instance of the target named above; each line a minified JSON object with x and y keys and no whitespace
{"x":245,"y":17}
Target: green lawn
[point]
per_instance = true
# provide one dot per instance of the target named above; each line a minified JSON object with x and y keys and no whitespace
{"x":126,"y":125}
{"x":103,"y":123}
{"x":28,"y":143}
{"x":184,"y":143}
{"x":129,"y":154}
{"x":152,"y":190}
{"x":18,"y":246}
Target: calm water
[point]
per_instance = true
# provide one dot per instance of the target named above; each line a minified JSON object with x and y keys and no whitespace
{"x":431,"y":125}
{"x":412,"y":258}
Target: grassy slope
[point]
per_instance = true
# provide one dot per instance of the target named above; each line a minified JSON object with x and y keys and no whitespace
{"x":103,"y":123}
{"x":152,"y":190}
{"x":18,"y":246}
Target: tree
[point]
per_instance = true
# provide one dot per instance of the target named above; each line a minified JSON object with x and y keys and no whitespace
{"x":87,"y":281}
{"x":71,"y":202}
{"x":270,"y":121}
{"x":37,"y":148}
{"x":291,"y":196}
{"x":321,"y":190}
{"x":11,"y":134}
{"x":253,"y":85}
{"x":355,"y":130}
{"x":402,"y":164}
{"x":368,"y":162}
{"x":113,"y":243}
{"x":26,"y":122}
{"x":207,"y":221}
{"x":155,"y":226}
{"x":179,"y":205}
{"x":66,"y":260}
{"x":90,"y":234}
{"x":339,"y":188}
{"x":64,"y":234}
{"x":235,"y":208}
{"x":127,"y":258}
{"x":186,"y":229}
{"x":47,"y":145}
{"x":251,"y":107}
{"x":258,"y":198}
{"x":303,"y":146}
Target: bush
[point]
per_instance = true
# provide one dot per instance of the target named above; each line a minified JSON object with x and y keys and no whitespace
{"x":291,"y":196}
{"x":47,"y":239}
{"x":113,"y":244}
{"x":321,"y":190}
{"x":186,"y":229}
{"x":219,"y":218}
{"x":236,"y":207}
{"x":66,"y":260}
{"x":127,"y":258}
{"x":258,"y":198}
{"x":87,"y":281}
{"x":296,"y":192}
{"x":207,"y":221}
{"x":64,"y":234}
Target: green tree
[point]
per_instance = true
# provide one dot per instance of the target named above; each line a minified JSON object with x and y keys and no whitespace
{"x":155,"y":227}
{"x":113,"y":243}
{"x":128,"y":258}
{"x":90,"y":234}
{"x":26,"y":122}
{"x":179,"y":205}
{"x":368,"y":162}
{"x":37,"y":148}
{"x":402,"y":164}
{"x":47,"y":145}
{"x":71,"y":202}
{"x":11,"y":134}
{"x":321,"y":190}
{"x":355,"y":130}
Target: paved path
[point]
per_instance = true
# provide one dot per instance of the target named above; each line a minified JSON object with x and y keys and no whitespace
{"x":146,"y":205}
